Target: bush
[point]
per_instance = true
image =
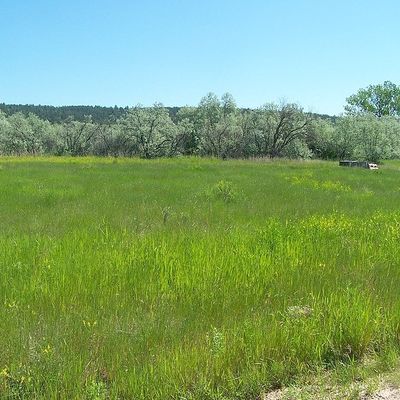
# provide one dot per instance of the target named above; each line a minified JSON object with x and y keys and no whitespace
{"x":224,"y":190}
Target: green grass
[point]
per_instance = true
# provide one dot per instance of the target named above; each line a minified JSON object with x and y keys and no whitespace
{"x":192,"y":279}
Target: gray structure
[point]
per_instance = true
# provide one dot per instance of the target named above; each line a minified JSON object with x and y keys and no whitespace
{"x":359,"y":164}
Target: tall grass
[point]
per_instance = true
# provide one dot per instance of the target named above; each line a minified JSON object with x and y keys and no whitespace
{"x":103,"y":296}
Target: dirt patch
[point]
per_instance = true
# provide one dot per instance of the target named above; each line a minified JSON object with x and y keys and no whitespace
{"x":308,"y":393}
{"x":275,"y":395}
{"x":390,"y":393}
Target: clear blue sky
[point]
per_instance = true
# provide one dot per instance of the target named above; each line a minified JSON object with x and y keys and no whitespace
{"x":124,"y":52}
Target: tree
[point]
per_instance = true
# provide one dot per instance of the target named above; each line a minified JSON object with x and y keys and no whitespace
{"x":4,"y":132}
{"x":110,"y":141}
{"x":366,"y":137}
{"x":25,"y":134}
{"x":62,"y":113}
{"x":391,"y":127}
{"x":372,"y":141}
{"x":76,"y":138}
{"x":188,"y":132}
{"x":320,"y":138}
{"x":245,"y":146}
{"x":278,"y":125}
{"x":345,"y":137}
{"x":217,"y":124}
{"x":150,"y":132}
{"x":379,"y":100}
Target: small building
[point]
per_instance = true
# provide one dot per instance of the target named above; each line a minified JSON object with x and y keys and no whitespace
{"x":358,"y":164}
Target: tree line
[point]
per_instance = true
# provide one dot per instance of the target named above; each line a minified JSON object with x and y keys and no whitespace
{"x":99,"y":114}
{"x":370,"y":129}
{"x":61,"y":113}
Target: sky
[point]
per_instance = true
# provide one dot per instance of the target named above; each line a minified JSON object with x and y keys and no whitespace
{"x":120,"y":52}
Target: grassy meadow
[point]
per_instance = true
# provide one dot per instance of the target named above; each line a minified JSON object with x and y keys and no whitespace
{"x":192,"y":279}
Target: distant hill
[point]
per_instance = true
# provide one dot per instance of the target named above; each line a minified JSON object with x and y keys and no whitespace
{"x":59,"y":114}
{"x":99,"y":114}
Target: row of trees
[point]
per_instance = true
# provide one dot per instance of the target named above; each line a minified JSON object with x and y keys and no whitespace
{"x":216,"y":127}
{"x":61,"y":113}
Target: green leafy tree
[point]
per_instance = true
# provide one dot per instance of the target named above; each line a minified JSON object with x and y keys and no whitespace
{"x":380,"y":100}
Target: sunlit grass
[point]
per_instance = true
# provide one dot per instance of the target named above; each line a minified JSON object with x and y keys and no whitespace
{"x":137,"y":279}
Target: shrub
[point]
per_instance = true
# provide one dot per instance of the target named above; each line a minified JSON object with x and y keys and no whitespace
{"x":224,"y":190}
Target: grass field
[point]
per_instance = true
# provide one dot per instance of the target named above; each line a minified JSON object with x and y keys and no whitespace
{"x":192,"y":279}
